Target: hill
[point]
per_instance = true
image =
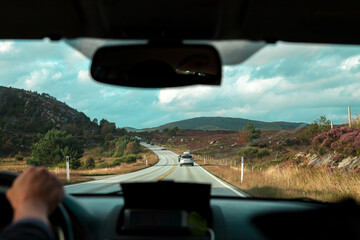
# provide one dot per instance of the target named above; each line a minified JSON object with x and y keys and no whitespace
{"x":227,"y":123}
{"x":28,"y":111}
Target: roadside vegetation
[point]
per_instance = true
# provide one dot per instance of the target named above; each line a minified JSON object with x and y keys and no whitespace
{"x":289,"y":181}
{"x":113,"y":152}
{"x":315,"y":162}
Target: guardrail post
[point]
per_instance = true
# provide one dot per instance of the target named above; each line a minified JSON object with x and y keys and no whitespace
{"x":242,"y":169}
{"x":67,"y":168}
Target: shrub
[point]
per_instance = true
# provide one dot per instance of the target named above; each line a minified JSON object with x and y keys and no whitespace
{"x":75,"y":163}
{"x":263,"y":152}
{"x":318,"y":126}
{"x":116,"y":162}
{"x":61,"y":165}
{"x":321,"y":151}
{"x":52,"y":149}
{"x":129,"y":159}
{"x":248,"y":151}
{"x":102,"y":165}
{"x":132,"y":148}
{"x":89,"y":163}
{"x":19,"y":158}
{"x":121,"y":145}
{"x":253,"y":144}
{"x":30,"y":161}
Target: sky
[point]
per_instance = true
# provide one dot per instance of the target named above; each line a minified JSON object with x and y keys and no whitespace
{"x":281,"y":82}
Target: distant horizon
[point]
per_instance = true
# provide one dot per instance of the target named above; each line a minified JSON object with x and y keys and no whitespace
{"x":213,"y":117}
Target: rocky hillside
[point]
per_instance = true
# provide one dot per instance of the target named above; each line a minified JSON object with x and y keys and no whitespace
{"x":229,"y":124}
{"x":33,"y":112}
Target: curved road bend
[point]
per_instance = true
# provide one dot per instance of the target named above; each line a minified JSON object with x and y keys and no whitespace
{"x":166,"y":169}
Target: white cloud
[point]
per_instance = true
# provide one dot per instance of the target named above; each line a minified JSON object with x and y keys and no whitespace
{"x":6,"y":46}
{"x":245,"y":109}
{"x":35,"y":79}
{"x":256,"y":87}
{"x":83,"y":75}
{"x":184,"y":96}
{"x":350,"y":63}
{"x":56,"y":76}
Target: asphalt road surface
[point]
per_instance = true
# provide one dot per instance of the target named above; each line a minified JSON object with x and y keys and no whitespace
{"x":167,"y":168}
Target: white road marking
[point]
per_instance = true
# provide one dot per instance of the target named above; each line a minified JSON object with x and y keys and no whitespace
{"x":222,"y":183}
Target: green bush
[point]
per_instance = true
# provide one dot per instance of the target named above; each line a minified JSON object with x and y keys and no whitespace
{"x":30,"y":161}
{"x":52,"y":149}
{"x":263,"y":152}
{"x":253,"y":144}
{"x":129,"y":158}
{"x":89,"y":163}
{"x":75,"y":163}
{"x":116,"y":162}
{"x":248,"y":151}
{"x":19,"y":158}
{"x":102,"y":165}
{"x":61,"y":164}
{"x":122,"y":143}
{"x":307,"y":134}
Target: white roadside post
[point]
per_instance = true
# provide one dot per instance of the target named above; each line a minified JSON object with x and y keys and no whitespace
{"x":242,"y":169}
{"x":146,"y":162}
{"x":67,"y":169}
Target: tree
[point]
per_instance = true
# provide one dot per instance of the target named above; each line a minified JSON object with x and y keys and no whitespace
{"x":107,"y":128}
{"x":121,"y":131}
{"x":323,"y":123}
{"x":121,"y":145}
{"x":52,"y":149}
{"x":95,"y":121}
{"x":252,"y":133}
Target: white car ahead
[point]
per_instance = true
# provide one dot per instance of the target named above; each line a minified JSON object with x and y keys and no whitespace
{"x":186,"y":159}
{"x":163,"y":148}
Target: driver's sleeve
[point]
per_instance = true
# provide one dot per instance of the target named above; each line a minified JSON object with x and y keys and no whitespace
{"x":30,"y":229}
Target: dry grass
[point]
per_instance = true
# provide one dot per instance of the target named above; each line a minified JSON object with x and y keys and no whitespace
{"x":291,"y":181}
{"x":13,"y":165}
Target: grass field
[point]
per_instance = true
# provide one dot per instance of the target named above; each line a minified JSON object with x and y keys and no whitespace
{"x":81,"y":175}
{"x":290,"y":181}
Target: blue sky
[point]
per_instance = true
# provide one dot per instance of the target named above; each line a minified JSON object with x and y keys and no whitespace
{"x":282,"y":82}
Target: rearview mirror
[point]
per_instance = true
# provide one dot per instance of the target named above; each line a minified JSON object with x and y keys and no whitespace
{"x":153,"y":66}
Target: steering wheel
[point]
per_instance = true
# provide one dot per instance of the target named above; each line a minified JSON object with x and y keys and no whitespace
{"x":59,"y":219}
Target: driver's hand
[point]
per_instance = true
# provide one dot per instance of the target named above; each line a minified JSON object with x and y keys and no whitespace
{"x":35,"y":194}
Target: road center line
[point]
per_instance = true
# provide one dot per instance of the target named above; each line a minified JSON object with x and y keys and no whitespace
{"x":172,"y":169}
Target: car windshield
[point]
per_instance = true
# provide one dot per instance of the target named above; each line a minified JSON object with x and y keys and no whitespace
{"x":283,"y":124}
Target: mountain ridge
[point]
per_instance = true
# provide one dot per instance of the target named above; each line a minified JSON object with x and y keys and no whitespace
{"x":226,"y":123}
{"x":31,"y":111}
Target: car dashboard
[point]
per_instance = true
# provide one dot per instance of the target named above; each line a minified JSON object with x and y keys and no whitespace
{"x":100,"y":216}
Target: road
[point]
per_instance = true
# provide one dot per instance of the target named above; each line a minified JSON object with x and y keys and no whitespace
{"x":166,"y":169}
